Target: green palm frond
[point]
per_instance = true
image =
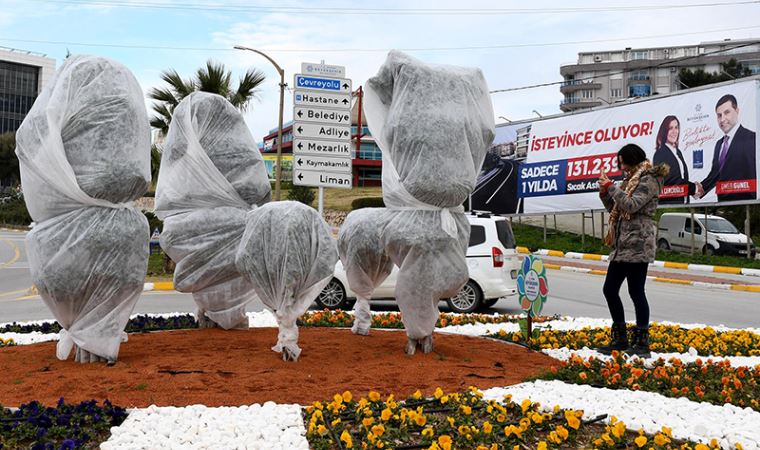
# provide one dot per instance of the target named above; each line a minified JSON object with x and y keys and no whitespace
{"x":247,"y":89}
{"x":182,"y":88}
{"x":163,"y":95}
{"x":214,"y":78}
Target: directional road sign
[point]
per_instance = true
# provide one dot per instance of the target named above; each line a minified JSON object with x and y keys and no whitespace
{"x":323,"y":163}
{"x":322,"y":84}
{"x":321,"y":179}
{"x":322,"y":148}
{"x":321,"y":99}
{"x":322,"y":127}
{"x":318,"y":130}
{"x":321,"y":115}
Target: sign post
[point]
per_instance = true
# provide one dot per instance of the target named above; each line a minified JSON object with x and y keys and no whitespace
{"x":322,"y":128}
{"x":533,"y":288}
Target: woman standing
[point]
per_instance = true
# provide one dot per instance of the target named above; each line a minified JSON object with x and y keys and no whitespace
{"x":668,"y":153}
{"x":631,"y":236}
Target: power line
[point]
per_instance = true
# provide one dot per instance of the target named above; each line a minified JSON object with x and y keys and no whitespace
{"x":664,"y":63}
{"x":372,"y":50}
{"x":389,"y":11}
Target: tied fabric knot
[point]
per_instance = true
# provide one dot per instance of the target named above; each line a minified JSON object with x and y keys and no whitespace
{"x":65,"y":345}
{"x":397,"y":198}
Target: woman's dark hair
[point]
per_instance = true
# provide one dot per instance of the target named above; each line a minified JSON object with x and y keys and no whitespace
{"x":631,"y":155}
{"x":662,"y":135}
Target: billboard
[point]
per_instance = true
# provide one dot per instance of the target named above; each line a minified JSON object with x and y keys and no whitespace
{"x":707,"y":137}
{"x":270,"y":162}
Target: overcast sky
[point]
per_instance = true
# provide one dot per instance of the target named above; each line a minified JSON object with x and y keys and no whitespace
{"x":522,"y":47}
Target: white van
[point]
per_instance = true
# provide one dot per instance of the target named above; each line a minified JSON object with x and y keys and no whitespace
{"x":674,"y":233}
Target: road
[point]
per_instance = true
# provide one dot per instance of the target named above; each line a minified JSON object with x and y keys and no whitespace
{"x":570,"y":293}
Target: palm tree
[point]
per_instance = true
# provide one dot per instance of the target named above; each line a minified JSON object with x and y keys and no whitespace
{"x":214,"y":78}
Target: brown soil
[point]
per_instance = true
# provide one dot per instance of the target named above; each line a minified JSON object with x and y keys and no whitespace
{"x":215,"y":367}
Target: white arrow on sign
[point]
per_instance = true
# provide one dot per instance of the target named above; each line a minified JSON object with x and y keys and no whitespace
{"x":321,"y":179}
{"x":323,"y":84}
{"x":322,"y":148}
{"x":329,"y":116}
{"x":314,"y":130}
{"x":309,"y":98}
{"x":322,"y":163}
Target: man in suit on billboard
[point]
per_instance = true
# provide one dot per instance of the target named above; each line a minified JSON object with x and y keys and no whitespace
{"x":733,"y":158}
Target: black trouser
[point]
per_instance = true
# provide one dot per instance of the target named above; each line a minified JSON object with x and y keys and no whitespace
{"x":636,"y":274}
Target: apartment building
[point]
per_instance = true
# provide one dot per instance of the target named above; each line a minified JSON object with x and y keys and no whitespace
{"x":604,"y":77}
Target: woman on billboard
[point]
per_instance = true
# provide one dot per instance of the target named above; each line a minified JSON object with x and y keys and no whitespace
{"x":677,"y":188}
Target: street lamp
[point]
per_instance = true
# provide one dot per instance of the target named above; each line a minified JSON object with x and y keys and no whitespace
{"x":538,"y":114}
{"x":502,"y":117}
{"x":278,"y":174}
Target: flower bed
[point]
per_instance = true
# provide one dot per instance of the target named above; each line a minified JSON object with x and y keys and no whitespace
{"x":703,"y":381}
{"x":65,"y":426}
{"x":662,"y":338}
{"x":345,"y":319}
{"x":138,"y":324}
{"x":707,"y":395}
{"x":466,"y":420}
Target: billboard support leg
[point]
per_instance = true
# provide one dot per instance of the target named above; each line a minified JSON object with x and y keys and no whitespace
{"x":746,"y":232}
{"x":705,"y":228}
{"x":692,"y":230}
{"x":544,"y":228}
{"x":601,"y":224}
{"x":583,"y":231}
{"x":593,"y":226}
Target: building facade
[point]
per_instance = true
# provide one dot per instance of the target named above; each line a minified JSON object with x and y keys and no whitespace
{"x":366,"y":160}
{"x":604,"y":77}
{"x":22,"y":76}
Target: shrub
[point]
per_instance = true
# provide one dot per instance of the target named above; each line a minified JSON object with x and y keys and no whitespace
{"x":13,"y":210}
{"x":301,"y":194}
{"x":154,"y":221}
{"x":367,"y":202}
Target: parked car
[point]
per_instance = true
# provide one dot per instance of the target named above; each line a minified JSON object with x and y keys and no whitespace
{"x":491,"y":258}
{"x":674,"y":233}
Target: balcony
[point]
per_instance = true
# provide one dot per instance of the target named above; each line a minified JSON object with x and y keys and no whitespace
{"x":573,"y":104}
{"x":568,"y":86}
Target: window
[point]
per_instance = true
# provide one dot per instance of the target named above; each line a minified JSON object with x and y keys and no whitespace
{"x":370,"y":176}
{"x":18,"y":90}
{"x":616,"y":93}
{"x":687,"y":227}
{"x":639,"y":90}
{"x":586,"y":93}
{"x":370,"y":151}
{"x":639,"y":75}
{"x":640,"y":54}
{"x":504,"y":231}
{"x":477,"y":235}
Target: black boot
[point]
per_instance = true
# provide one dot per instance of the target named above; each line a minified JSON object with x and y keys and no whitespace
{"x":640,"y":344}
{"x":619,"y":340}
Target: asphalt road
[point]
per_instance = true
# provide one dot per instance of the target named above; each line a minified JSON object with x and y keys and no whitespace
{"x":570,"y":293}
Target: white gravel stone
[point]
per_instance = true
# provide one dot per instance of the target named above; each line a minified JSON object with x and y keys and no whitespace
{"x":268,"y":426}
{"x":689,"y":420}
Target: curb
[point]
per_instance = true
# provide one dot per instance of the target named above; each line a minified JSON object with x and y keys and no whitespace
{"x":667,"y":264}
{"x":719,"y":286}
{"x":159,"y":286}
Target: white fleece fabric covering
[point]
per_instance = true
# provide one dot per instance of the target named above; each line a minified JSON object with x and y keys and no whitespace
{"x":84,"y":154}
